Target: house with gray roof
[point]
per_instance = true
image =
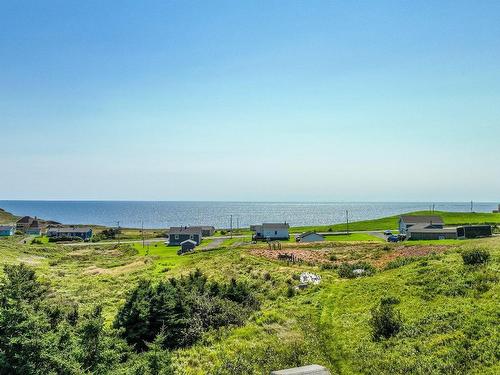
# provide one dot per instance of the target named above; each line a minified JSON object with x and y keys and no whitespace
{"x":177,"y":235}
{"x":7,"y":230}
{"x":424,"y":221}
{"x":85,"y":233}
{"x":270,"y":231}
{"x":309,"y":237}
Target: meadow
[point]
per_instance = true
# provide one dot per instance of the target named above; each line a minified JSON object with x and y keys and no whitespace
{"x":449,"y":311}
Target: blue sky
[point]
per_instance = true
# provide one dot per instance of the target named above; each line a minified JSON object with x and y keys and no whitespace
{"x":252,"y":100}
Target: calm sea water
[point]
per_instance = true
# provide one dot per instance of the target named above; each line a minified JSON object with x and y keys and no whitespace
{"x":165,"y":214}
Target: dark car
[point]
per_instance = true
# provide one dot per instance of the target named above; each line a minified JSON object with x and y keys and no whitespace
{"x":393,"y":238}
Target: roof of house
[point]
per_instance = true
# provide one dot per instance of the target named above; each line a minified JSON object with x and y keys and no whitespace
{"x":416,"y":219}
{"x":305,"y":234}
{"x":185,"y":230}
{"x":25,"y":220}
{"x":35,"y":224}
{"x":203,"y":227}
{"x":7,"y":227}
{"x":70,"y":230}
{"x":275,"y":226}
{"x":431,"y":230}
{"x":188,"y":241}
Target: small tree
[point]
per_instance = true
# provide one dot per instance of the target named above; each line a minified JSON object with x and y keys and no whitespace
{"x":475,"y":256}
{"x":386,"y":321}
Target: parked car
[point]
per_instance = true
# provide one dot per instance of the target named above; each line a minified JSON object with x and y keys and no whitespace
{"x":393,"y":238}
{"x":388,"y":233}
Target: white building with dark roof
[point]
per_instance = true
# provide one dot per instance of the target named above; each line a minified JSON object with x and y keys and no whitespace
{"x":271,"y":231}
{"x":423,"y":221}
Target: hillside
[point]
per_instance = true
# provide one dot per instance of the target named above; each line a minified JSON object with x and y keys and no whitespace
{"x":7,"y":217}
{"x":391,"y":222}
{"x":448,"y":310}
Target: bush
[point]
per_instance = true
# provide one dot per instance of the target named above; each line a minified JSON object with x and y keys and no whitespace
{"x":399,"y":262}
{"x":475,"y":256}
{"x":349,"y":270}
{"x":385,"y":320}
{"x":183,"y":309}
{"x":290,"y":292}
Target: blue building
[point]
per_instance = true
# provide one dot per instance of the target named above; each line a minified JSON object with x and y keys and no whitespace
{"x":85,"y":233}
{"x":7,"y":230}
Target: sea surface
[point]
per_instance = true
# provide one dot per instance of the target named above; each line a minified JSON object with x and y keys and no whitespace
{"x":164,"y":214}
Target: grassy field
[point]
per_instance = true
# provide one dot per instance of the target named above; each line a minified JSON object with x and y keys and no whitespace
{"x":449,"y":311}
{"x":7,"y":217}
{"x":391,"y":222}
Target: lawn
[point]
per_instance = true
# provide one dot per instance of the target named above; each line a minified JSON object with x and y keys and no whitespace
{"x":449,"y":311}
{"x":391,"y":222}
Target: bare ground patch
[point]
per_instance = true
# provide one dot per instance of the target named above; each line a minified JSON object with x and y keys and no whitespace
{"x":127,"y":268}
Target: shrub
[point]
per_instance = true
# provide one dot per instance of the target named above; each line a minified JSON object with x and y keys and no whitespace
{"x":385,"y":320}
{"x":267,"y":276}
{"x":183,"y":309}
{"x":399,"y":262}
{"x":475,"y":256}
{"x":349,"y":270}
{"x":290,"y":292}
{"x":333,"y":257}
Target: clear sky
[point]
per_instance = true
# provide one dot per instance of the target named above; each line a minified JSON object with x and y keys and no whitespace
{"x":250,"y":100}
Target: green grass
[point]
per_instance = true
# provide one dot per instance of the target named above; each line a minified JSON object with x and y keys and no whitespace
{"x":450,"y":311}
{"x":391,"y":222}
{"x":7,"y":217}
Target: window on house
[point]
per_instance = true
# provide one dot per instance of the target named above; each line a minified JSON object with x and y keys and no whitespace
{"x":275,"y":232}
{"x":176,"y":236}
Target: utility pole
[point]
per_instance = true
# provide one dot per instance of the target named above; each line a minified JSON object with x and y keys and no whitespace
{"x":231,"y":225}
{"x":118,"y":232}
{"x":237,"y":224}
{"x":471,"y":206}
{"x":142,"y":232}
{"x":347,"y":220}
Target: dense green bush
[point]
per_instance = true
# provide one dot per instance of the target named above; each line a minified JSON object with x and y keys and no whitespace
{"x":348,"y":270}
{"x":41,"y":336}
{"x":183,"y":309}
{"x":385,"y":320}
{"x":475,"y":256}
{"x":400,"y":262}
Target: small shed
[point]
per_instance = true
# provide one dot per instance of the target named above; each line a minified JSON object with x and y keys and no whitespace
{"x":309,"y":237}
{"x":187,"y":246}
{"x":304,"y":370}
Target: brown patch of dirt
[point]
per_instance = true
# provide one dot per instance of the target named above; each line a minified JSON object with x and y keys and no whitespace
{"x":31,"y":260}
{"x":131,"y":267}
{"x":306,"y":255}
{"x":409,"y":251}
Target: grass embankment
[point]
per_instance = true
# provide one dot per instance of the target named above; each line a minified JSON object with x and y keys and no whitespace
{"x":7,"y":217}
{"x":392,"y":222}
{"x":449,"y":310}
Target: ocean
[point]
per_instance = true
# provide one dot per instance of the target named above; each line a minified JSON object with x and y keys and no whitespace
{"x":164,"y":214}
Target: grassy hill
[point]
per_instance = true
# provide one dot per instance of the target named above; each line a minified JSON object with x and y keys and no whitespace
{"x":7,"y":217}
{"x":449,"y":311}
{"x":391,"y":222}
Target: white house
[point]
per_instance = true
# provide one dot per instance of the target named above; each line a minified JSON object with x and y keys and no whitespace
{"x":270,"y":231}
{"x":428,"y":221}
{"x":309,"y":237}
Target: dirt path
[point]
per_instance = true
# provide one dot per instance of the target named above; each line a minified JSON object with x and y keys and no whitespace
{"x":213,"y":245}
